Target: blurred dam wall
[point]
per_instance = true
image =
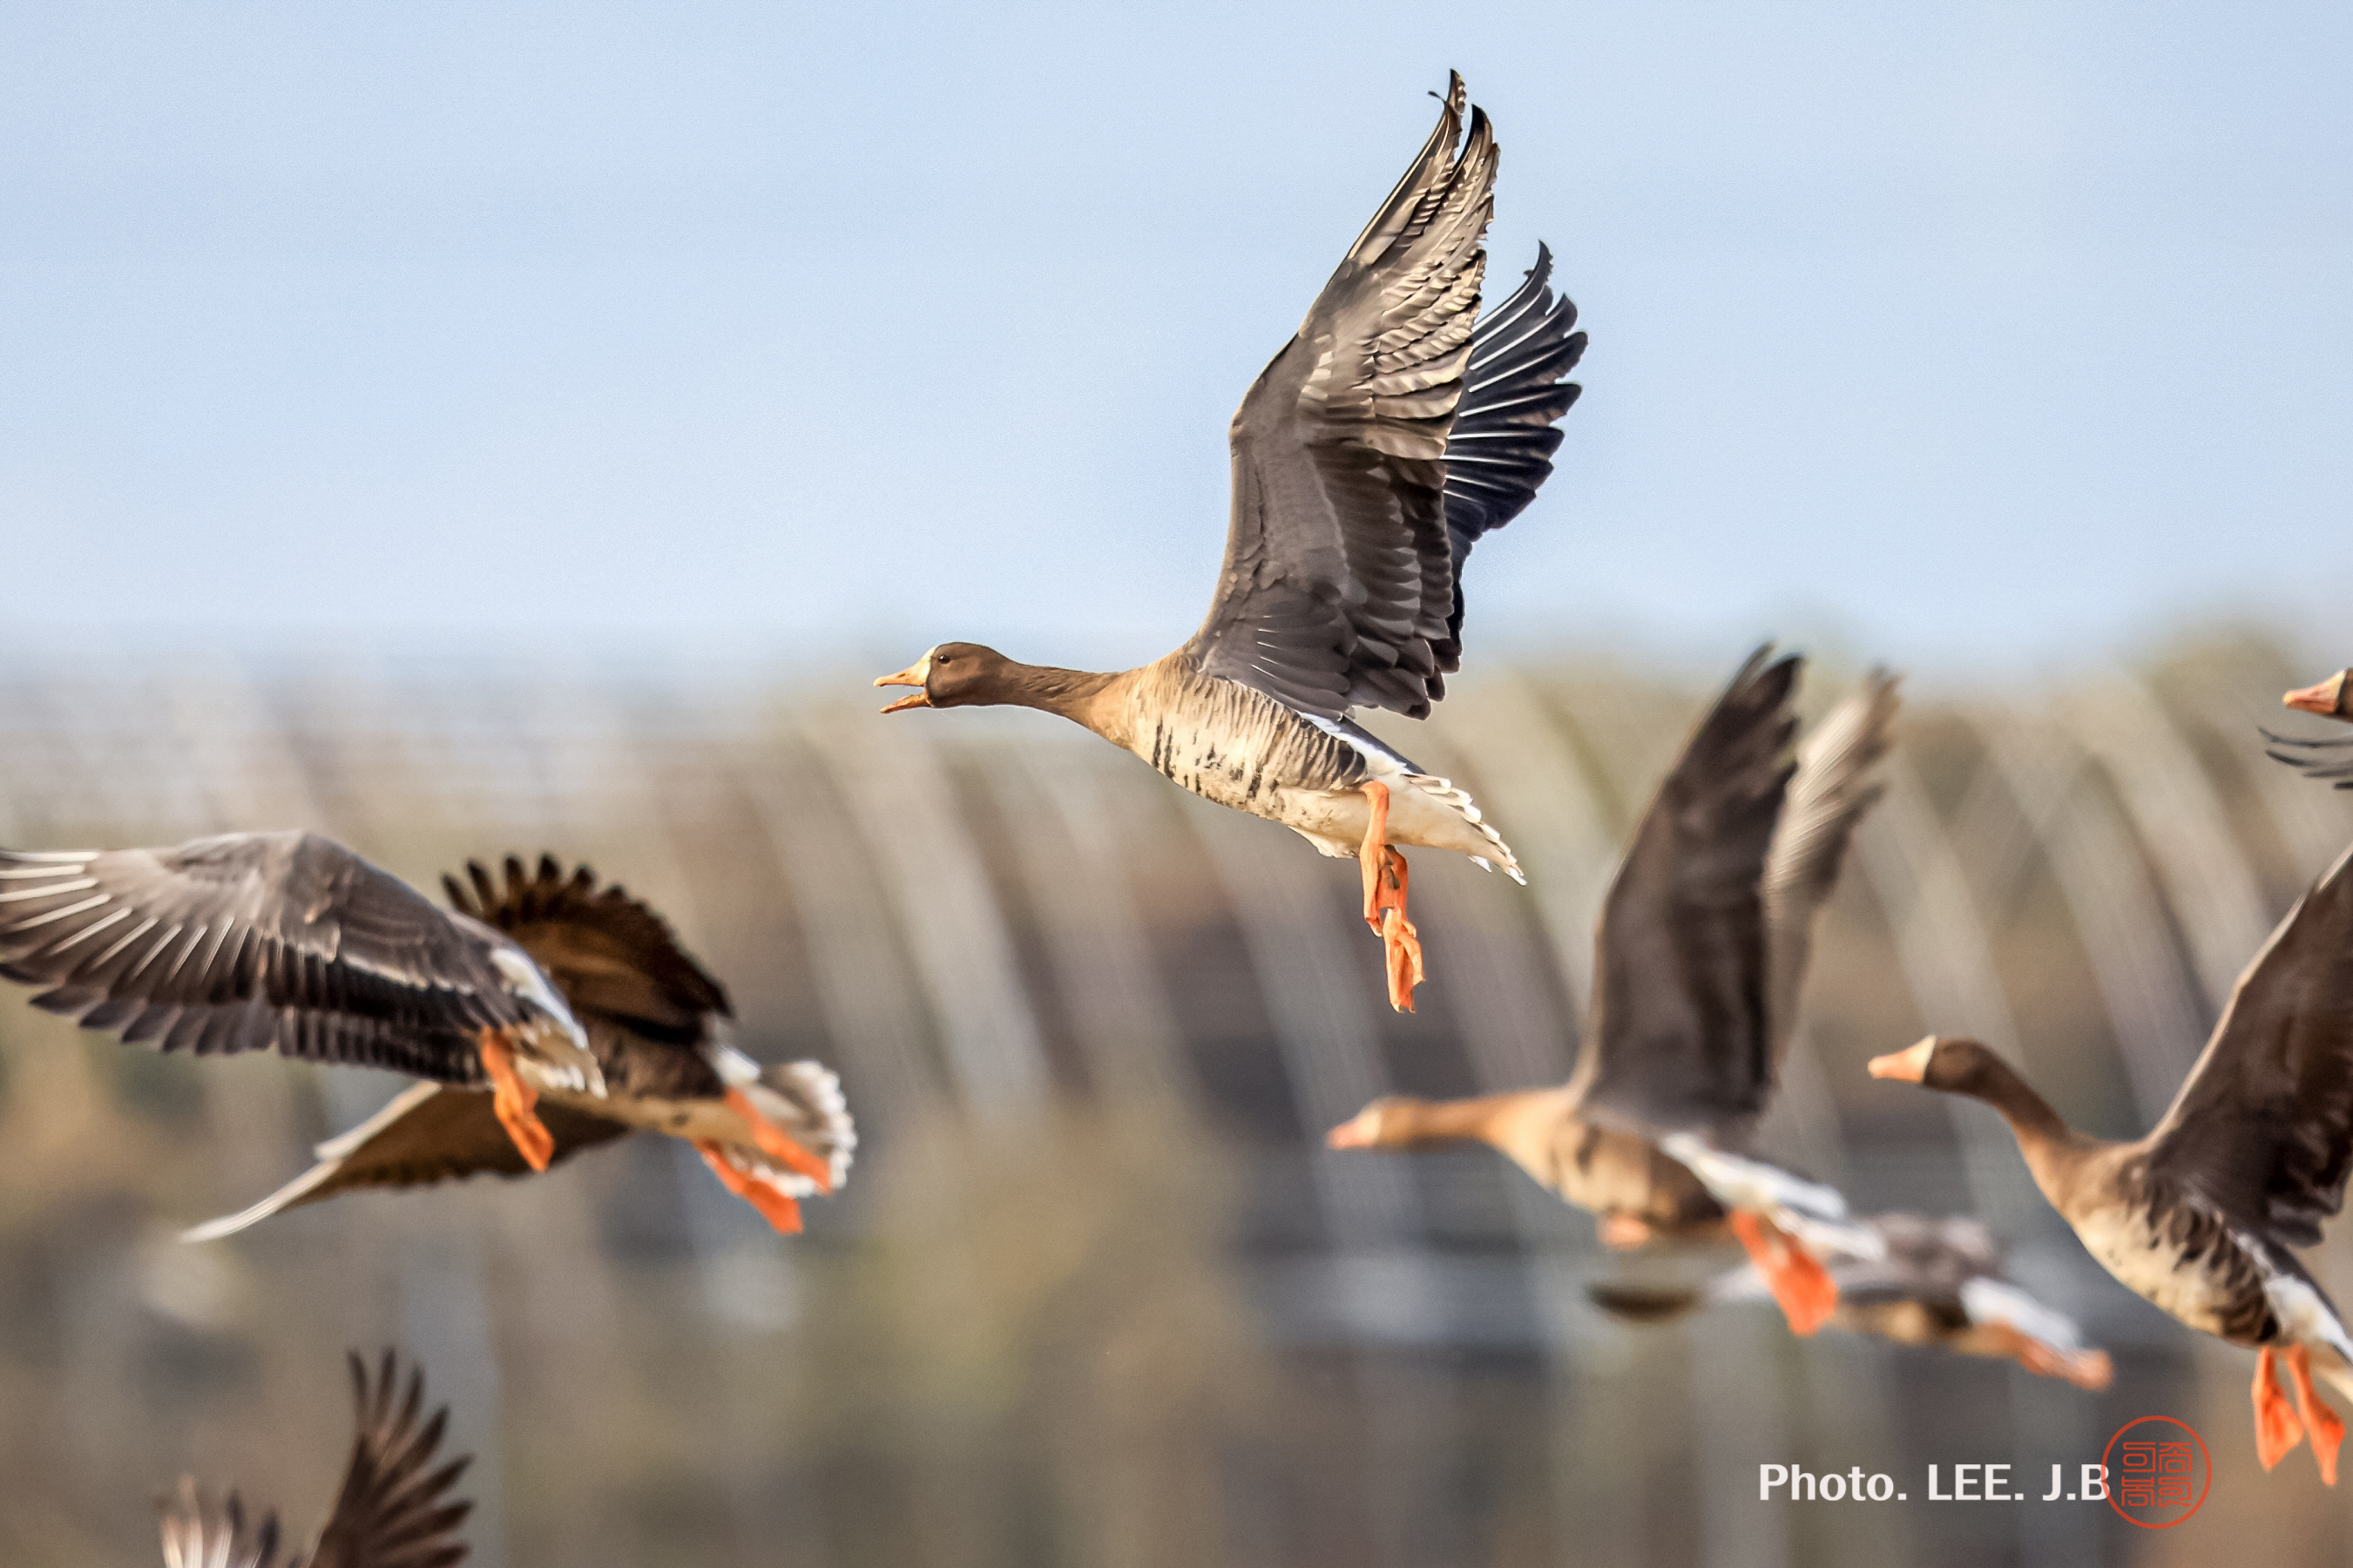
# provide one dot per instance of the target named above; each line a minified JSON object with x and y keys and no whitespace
{"x":1095,"y":1294}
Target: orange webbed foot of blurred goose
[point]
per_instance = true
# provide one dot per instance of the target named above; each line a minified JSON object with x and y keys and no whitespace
{"x":513,"y":1099}
{"x":1384,"y":871}
{"x":777,"y":1209}
{"x":1807,"y":1293}
{"x":2278,"y":1430}
{"x":2327,"y":1429}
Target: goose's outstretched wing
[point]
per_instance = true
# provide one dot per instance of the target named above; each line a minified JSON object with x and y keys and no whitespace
{"x":1828,"y":797}
{"x":1680,"y":1041}
{"x":429,"y":1133}
{"x":1338,"y":581}
{"x":391,"y":1511}
{"x":256,"y":941}
{"x":1506,"y":427}
{"x":2261,"y":1131}
{"x":201,"y":1531}
{"x":611,"y":955}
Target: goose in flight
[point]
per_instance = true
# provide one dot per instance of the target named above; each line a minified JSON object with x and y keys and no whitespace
{"x":575,"y":1005}
{"x":1700,"y":959}
{"x":2201,"y":1216}
{"x":1389,"y":435}
{"x":391,"y":1511}
{"x":1938,"y":1282}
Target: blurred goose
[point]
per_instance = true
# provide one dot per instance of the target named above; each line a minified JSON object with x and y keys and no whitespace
{"x":2200,"y":1217}
{"x":1701,"y":956}
{"x":389,"y":1513}
{"x":2331,"y":760}
{"x":575,"y":1006}
{"x":1384,"y":439}
{"x":1940,"y":1282}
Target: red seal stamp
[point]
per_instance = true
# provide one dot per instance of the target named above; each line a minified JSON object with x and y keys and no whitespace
{"x":2158,"y":1472}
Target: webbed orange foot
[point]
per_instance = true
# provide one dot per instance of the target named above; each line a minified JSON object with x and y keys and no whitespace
{"x":777,"y":1209}
{"x":1384,"y":876}
{"x":780,"y":1145}
{"x":512,"y":1100}
{"x":2327,"y":1429}
{"x":2276,"y":1429}
{"x":1803,"y":1288}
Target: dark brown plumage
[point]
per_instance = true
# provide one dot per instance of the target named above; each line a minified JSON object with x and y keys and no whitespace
{"x":392,"y":1511}
{"x":2200,"y":1215}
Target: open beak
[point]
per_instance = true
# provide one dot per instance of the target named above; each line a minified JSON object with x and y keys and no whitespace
{"x":2328,"y":699}
{"x":914,"y":675}
{"x":1909,"y":1064}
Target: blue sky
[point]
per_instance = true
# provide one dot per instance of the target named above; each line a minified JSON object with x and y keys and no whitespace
{"x":1974,"y":335}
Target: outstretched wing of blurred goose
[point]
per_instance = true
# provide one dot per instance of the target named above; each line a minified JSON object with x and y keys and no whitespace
{"x":1385,"y":438}
{"x":392,"y":1511}
{"x":651,"y":1016}
{"x":289,"y":942}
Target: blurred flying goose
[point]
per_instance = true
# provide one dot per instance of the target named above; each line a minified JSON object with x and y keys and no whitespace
{"x":390,"y":1511}
{"x":575,"y":1006}
{"x":1384,"y":439}
{"x":1940,"y":1282}
{"x":1701,"y":956}
{"x":2331,"y":760}
{"x":2200,"y":1215}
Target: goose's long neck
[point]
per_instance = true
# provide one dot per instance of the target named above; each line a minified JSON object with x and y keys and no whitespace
{"x":2052,"y":1150}
{"x":1073,"y":693}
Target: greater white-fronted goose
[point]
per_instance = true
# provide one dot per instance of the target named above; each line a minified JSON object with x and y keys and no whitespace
{"x":1381,"y":443}
{"x":2330,"y":760}
{"x":2200,"y":1215}
{"x":563,"y":1000}
{"x":773,"y":1135}
{"x":392,"y":1511}
{"x":1938,"y":1282}
{"x":1701,"y":956}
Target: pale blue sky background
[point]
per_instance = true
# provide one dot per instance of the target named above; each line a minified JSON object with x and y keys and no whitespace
{"x":1974,"y":332}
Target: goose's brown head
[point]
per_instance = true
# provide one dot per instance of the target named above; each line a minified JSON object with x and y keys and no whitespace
{"x":1942,"y":1062}
{"x":954,"y":675}
{"x":2332,"y":699}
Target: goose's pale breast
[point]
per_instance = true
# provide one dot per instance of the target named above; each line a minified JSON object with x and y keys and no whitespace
{"x":2209,"y":1293}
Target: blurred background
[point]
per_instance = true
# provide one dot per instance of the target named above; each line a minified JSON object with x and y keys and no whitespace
{"x":471,"y":429}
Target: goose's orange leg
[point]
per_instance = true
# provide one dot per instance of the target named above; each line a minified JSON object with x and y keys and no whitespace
{"x":779,"y":1144}
{"x":513,"y":1099}
{"x":1804,"y":1289}
{"x":779,"y":1209}
{"x":1385,"y":885}
{"x":2276,"y":1429}
{"x":2327,"y":1429}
